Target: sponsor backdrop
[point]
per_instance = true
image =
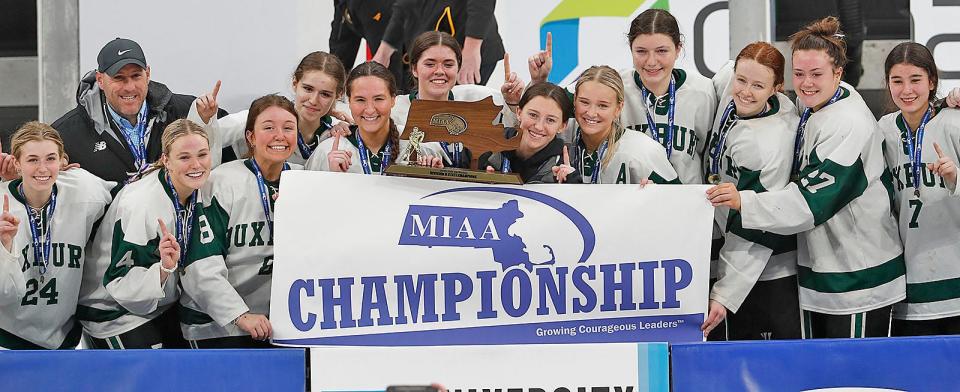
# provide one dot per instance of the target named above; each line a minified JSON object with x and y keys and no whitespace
{"x":425,"y":262}
{"x":613,"y":367}
{"x":899,"y":364}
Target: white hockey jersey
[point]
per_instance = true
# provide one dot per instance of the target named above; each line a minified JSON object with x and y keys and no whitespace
{"x":121,"y":286}
{"x":696,"y":102}
{"x":230,"y":263}
{"x":37,"y":314}
{"x":757,"y":156}
{"x":850,"y":258}
{"x":635,"y":158}
{"x":929,"y":225}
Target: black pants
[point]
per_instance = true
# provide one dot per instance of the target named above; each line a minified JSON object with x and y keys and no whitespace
{"x":943,"y":326}
{"x":231,"y":342}
{"x":161,"y":332}
{"x":870,"y":324}
{"x":770,"y":311}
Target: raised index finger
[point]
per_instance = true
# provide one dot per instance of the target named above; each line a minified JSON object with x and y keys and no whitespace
{"x":939,"y":151}
{"x":506,"y":66}
{"x":336,"y":142}
{"x":549,"y":48}
{"x":216,"y":90}
{"x":163,"y":227}
{"x":6,"y":203}
{"x":566,"y":156}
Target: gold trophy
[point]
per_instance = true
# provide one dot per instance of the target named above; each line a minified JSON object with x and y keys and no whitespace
{"x":469,"y":123}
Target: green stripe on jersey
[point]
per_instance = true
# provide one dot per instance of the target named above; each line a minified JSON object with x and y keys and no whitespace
{"x":13,"y":342}
{"x":750,"y":181}
{"x":940,"y":290}
{"x":86,"y":313}
{"x":657,"y":179}
{"x":828,"y":186}
{"x":192,"y":317}
{"x":125,"y":255}
{"x":843,"y":282}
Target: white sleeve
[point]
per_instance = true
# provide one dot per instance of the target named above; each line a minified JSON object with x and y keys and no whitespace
{"x":140,"y":290}
{"x":12,"y":284}
{"x":205,"y":280}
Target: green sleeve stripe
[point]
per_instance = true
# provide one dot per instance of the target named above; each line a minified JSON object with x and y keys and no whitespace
{"x":843,"y":282}
{"x":657,"y":179}
{"x":192,"y":317}
{"x":141,"y":255}
{"x":828,"y":186}
{"x":750,"y":181}
{"x":86,"y":313}
{"x":940,"y":290}
{"x":204,"y":239}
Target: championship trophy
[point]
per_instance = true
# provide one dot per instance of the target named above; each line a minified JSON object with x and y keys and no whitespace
{"x":469,"y":123}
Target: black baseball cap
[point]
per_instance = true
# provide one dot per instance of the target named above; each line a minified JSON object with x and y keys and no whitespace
{"x":117,"y":53}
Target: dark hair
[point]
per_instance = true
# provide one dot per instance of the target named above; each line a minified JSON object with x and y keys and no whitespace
{"x":825,"y":35}
{"x":323,"y":62}
{"x":917,"y":55}
{"x":261,"y":104}
{"x":429,"y":39}
{"x":375,"y":69}
{"x":765,"y":54}
{"x":655,"y":21}
{"x":550,"y":91}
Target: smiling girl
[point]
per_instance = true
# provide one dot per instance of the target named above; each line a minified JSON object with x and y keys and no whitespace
{"x":128,"y":298}
{"x":752,"y":147}
{"x":47,"y":217}
{"x":922,"y":144}
{"x":850,"y":267}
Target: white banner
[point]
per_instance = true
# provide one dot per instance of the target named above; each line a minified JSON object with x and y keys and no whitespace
{"x":372,"y":260}
{"x":612,"y":367}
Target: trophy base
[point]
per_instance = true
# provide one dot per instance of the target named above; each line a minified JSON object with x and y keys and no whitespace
{"x":454,"y":174}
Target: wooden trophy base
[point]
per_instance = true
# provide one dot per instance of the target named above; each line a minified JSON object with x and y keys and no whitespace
{"x":454,"y":174}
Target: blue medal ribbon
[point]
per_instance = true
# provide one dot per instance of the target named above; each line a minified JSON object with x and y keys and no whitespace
{"x":184,"y":217}
{"x":457,"y":148}
{"x":305,"y":149}
{"x":581,"y":150}
{"x":42,"y":247}
{"x":365,"y":156}
{"x":798,"y":142}
{"x":264,"y":192}
{"x":671,"y":110}
{"x":915,"y":148}
{"x":727,"y":121}
{"x":137,"y":148}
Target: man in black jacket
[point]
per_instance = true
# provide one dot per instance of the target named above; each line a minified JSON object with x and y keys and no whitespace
{"x":471,"y":22}
{"x":114,"y":132}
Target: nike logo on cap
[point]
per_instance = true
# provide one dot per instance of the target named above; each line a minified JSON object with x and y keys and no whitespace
{"x":121,"y":52}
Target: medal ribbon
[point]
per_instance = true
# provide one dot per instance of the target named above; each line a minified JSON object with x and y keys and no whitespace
{"x":726,"y":124}
{"x":42,"y":247}
{"x":915,"y":147}
{"x":671,"y":109}
{"x":264,"y":193}
{"x":305,"y":149}
{"x":798,"y":142}
{"x":581,"y":149}
{"x":365,"y":157}
{"x":184,"y":217}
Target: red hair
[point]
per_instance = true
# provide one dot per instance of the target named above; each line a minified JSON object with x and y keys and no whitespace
{"x":767,"y":55}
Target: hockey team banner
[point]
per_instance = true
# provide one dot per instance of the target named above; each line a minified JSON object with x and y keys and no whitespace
{"x":608,"y":367}
{"x":374,"y":260}
{"x":865,"y":365}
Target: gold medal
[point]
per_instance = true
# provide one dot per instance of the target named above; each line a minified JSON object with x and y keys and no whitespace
{"x":916,"y":193}
{"x":713,"y":178}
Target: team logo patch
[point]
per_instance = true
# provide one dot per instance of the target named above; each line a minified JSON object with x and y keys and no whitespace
{"x":454,"y":124}
{"x":489,"y":228}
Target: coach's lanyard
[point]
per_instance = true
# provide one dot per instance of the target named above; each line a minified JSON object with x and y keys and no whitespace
{"x":184,"y":219}
{"x":915,"y":147}
{"x":671,"y":109}
{"x":41,"y":232}
{"x":264,"y":192}
{"x":798,"y":142}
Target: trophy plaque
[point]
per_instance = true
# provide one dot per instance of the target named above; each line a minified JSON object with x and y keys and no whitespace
{"x":469,"y":123}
